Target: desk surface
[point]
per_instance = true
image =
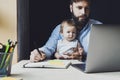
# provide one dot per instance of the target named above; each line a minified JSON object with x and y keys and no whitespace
{"x":70,"y":73}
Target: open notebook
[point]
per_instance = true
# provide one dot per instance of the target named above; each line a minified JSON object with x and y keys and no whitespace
{"x":48,"y":64}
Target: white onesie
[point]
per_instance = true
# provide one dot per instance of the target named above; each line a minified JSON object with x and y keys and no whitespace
{"x":66,"y":47}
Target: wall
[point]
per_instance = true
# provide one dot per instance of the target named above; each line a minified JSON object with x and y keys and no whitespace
{"x":8,"y":23}
{"x":106,"y":11}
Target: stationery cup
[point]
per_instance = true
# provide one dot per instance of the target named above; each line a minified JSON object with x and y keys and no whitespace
{"x":5,"y":63}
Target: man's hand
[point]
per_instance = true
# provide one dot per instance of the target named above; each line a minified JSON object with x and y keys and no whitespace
{"x":36,"y":57}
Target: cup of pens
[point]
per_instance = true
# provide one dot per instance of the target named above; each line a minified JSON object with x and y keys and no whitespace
{"x":5,"y":63}
{"x":6,"y":55}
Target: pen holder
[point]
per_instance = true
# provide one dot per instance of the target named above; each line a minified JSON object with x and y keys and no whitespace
{"x":5,"y":63}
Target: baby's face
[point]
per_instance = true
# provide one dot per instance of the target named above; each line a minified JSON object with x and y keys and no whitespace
{"x":69,"y":33}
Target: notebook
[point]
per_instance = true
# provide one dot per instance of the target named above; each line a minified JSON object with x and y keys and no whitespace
{"x":104,"y":49}
{"x":61,"y":64}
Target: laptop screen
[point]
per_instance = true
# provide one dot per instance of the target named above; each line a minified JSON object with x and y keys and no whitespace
{"x":104,"y":48}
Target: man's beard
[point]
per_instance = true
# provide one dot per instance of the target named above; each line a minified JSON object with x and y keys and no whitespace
{"x":80,"y":23}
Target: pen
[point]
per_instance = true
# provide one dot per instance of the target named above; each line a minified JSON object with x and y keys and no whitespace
{"x":37,"y":48}
{"x":39,"y":52}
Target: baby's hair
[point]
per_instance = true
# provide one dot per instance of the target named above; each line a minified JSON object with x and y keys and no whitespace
{"x":68,"y":22}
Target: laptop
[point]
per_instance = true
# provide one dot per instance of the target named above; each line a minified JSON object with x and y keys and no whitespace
{"x":104,"y":49}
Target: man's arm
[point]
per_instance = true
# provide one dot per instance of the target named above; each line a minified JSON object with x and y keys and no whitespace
{"x":49,"y":48}
{"x":51,"y":45}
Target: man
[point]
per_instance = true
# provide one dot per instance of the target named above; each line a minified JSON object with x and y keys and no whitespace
{"x":80,"y":10}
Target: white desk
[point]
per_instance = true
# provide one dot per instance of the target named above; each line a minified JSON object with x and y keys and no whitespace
{"x":59,"y":74}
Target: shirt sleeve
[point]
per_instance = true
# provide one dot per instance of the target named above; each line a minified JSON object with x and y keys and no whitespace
{"x":51,"y":45}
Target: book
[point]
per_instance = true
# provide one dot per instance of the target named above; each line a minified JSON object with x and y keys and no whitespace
{"x":56,"y":63}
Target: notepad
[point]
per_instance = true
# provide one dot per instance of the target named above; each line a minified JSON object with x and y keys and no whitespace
{"x":49,"y":64}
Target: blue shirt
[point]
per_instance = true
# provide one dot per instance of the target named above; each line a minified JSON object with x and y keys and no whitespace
{"x":50,"y":47}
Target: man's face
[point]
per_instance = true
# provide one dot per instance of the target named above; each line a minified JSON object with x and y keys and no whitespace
{"x":80,"y":11}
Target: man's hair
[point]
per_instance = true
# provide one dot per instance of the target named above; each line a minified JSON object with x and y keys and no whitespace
{"x":69,"y":22}
{"x":72,"y":1}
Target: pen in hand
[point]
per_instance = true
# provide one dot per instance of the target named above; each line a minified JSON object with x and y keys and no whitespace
{"x":37,"y":49}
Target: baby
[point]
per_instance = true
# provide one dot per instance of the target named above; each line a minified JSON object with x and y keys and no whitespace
{"x":68,"y":47}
